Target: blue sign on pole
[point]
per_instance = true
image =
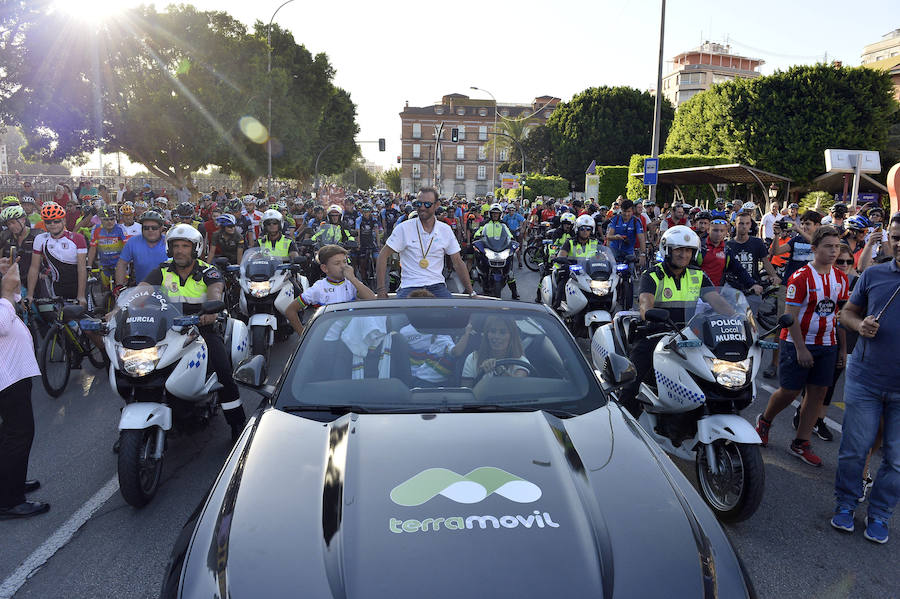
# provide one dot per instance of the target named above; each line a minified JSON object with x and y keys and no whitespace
{"x":651,"y":167}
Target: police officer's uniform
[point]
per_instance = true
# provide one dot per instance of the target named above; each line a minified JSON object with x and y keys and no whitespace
{"x":280,"y":248}
{"x":494,"y":229}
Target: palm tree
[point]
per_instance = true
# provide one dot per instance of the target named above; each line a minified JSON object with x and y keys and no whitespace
{"x":518,"y":130}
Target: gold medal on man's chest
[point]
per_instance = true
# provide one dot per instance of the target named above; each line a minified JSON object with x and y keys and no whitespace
{"x":423,"y":263}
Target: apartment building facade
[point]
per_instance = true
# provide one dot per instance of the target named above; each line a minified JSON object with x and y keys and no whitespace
{"x":467,"y":167}
{"x":699,"y":69}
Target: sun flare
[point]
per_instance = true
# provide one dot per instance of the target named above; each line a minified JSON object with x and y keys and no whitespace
{"x":89,"y":11}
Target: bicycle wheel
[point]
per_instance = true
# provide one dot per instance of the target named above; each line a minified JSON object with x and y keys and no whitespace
{"x":54,"y":361}
{"x":532,"y":257}
{"x":96,"y":354}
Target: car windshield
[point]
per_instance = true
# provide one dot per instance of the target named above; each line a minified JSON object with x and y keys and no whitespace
{"x":423,"y":359}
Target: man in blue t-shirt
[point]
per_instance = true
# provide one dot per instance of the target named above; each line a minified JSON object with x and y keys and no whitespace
{"x":144,"y":252}
{"x":513,"y":220}
{"x":624,"y":232}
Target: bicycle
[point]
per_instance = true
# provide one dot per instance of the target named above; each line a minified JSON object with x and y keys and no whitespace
{"x":368,"y":275}
{"x":63,"y":347}
{"x":106,"y":300}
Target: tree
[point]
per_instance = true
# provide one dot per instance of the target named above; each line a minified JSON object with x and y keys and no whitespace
{"x":606,"y":124}
{"x":175,"y":91}
{"x":518,"y":131}
{"x":782,"y":123}
{"x":357,"y":177}
{"x":538,"y":151}
{"x":392,"y":179}
{"x":14,"y":142}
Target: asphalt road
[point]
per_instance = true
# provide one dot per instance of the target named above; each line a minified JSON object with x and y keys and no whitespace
{"x":108,"y":549}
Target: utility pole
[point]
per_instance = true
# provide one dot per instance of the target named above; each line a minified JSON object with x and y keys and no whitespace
{"x":438,"y":133}
{"x":657,"y":110}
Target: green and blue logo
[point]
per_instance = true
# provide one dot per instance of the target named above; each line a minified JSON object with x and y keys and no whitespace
{"x":471,"y":488}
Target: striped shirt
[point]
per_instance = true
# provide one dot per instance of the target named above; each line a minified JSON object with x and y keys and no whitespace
{"x":14,"y":336}
{"x":818,"y":296}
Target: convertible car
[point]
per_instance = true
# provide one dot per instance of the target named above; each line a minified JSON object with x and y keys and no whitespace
{"x":447,"y":448}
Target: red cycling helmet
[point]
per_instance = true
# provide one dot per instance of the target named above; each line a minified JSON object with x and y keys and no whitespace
{"x":52,"y":211}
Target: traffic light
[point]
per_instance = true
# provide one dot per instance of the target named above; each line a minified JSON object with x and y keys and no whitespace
{"x":381,"y":144}
{"x":398,"y":160}
{"x":454,"y":135}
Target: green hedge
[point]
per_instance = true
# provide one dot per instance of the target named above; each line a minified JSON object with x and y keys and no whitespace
{"x":665,"y":193}
{"x":613,"y":180}
{"x":538,"y":185}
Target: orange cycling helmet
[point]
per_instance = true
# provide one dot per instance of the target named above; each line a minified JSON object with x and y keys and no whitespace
{"x":52,"y":211}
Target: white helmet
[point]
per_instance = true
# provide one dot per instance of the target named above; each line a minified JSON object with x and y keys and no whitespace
{"x":335,"y":208}
{"x":187,"y":233}
{"x":679,"y":236}
{"x":748,"y":207}
{"x":585,"y":221}
{"x":496,"y":206}
{"x":568,"y":217}
{"x":272,"y":215}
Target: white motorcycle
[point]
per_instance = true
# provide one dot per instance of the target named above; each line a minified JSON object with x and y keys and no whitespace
{"x":267,"y":289}
{"x":703,"y":375}
{"x":159,"y":365}
{"x":589,"y":296}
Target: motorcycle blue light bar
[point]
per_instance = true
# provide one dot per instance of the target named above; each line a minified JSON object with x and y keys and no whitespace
{"x":621,"y":267}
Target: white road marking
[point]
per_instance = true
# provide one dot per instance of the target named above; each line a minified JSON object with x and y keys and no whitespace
{"x":828,"y":421}
{"x":57,"y":540}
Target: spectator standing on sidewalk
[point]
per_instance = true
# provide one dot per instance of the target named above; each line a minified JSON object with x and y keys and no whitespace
{"x":17,"y":428}
{"x":813,"y":346}
{"x":871,"y":394}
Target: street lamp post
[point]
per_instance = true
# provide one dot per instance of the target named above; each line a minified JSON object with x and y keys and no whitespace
{"x":494,"y":149}
{"x":319,"y":155}
{"x":269,"y":76}
{"x":657,"y":105}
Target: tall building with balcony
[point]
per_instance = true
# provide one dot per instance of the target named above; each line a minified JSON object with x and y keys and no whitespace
{"x":887,"y":47}
{"x":699,"y":69}
{"x":463,"y":168}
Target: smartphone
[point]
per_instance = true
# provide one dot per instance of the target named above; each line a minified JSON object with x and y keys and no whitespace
{"x":12,"y":255}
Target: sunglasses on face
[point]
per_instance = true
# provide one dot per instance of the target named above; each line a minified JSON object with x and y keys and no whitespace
{"x":150,"y":228}
{"x":845,"y":262}
{"x":421,"y":204}
{"x":585,"y":228}
{"x":55,"y":221}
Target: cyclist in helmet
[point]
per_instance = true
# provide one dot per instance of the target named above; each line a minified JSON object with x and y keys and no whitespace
{"x":187,"y":280}
{"x":184,"y":215}
{"x":62,"y":255}
{"x":369,"y":237}
{"x":226,"y":241}
{"x":674,"y":285}
{"x":18,"y":234}
{"x":700,"y":224}
{"x":274,"y":239}
{"x":144,"y":252}
{"x":348,"y":220}
{"x":31,"y":211}
{"x":332,"y":230}
{"x":126,"y":221}
{"x":106,"y":245}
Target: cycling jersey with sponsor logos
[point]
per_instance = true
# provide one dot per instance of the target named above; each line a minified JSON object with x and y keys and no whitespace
{"x":819,"y":296}
{"x":60,"y":256}
{"x":109,"y":244}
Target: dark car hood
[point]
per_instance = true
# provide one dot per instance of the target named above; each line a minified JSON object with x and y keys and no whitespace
{"x":456,"y":505}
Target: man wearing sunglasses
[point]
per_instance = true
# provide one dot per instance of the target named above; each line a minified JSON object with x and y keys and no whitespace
{"x":144,"y":252}
{"x":63,"y":253}
{"x":422,"y":243}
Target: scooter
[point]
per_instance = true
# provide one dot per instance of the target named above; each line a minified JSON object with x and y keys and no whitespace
{"x":493,"y":260}
{"x":159,"y":366}
{"x":267,"y":287}
{"x":704,"y":375}
{"x":589,"y":293}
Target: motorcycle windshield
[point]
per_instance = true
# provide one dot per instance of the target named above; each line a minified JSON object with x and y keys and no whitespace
{"x":499,"y":243}
{"x":258,"y":264}
{"x":600,"y":266}
{"x":143,"y":316}
{"x":727,"y":328}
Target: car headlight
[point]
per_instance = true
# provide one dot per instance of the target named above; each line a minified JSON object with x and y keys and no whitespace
{"x":139,"y":362}
{"x":260,"y":288}
{"x":601,"y":287}
{"x":730,"y":375}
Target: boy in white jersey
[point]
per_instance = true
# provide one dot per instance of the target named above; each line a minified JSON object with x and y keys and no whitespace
{"x":339,"y":285}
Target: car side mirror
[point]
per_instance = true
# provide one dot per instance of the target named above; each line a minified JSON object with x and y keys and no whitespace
{"x":658,"y":315}
{"x":211,"y":307}
{"x":251,"y":372}
{"x":618,"y":370}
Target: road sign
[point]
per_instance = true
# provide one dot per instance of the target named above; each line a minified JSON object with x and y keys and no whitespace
{"x":509,"y":181}
{"x":651,"y":167}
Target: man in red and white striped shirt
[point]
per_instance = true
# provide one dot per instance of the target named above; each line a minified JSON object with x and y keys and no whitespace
{"x":813,"y":345}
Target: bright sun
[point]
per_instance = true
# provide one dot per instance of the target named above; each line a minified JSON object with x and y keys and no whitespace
{"x":89,"y":11}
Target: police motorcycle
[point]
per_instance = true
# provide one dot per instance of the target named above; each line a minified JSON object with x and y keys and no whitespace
{"x":589,"y":292}
{"x":159,"y":366}
{"x":267,"y":289}
{"x":494,"y":257}
{"x":703,"y":376}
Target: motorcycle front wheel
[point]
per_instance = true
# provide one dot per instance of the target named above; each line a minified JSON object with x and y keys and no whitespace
{"x":259,"y":341}
{"x":139,"y":471}
{"x":735,"y":492}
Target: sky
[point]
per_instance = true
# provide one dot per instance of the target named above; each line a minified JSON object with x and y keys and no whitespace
{"x":390,"y":52}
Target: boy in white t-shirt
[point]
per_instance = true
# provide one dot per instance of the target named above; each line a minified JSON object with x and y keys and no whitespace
{"x":339,"y":285}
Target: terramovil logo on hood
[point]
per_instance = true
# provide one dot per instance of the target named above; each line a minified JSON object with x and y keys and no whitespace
{"x":471,"y":488}
{"x":474,"y":487}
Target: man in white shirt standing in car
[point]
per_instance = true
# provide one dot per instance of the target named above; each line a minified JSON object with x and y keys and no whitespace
{"x":422,"y":243}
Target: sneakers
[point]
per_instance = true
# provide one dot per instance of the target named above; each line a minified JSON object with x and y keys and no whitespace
{"x":762,"y":429}
{"x":876,"y":530}
{"x":822,"y":430}
{"x":803,"y":450}
{"x":867,"y":486}
{"x":843,"y":520}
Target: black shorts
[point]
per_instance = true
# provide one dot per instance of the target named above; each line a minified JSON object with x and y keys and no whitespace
{"x":795,"y":377}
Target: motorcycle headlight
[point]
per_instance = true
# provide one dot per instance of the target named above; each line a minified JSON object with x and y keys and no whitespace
{"x":139,"y":362}
{"x":260,"y":288}
{"x":730,"y":375}
{"x":502,"y":255}
{"x":601,"y":287}
{"x":491,"y":254}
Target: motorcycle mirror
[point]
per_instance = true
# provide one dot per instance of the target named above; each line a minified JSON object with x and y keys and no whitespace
{"x":251,"y":372}
{"x":211,"y":307}
{"x":299,"y":260}
{"x":631,"y":258}
{"x":618,"y":370}
{"x":222,"y":262}
{"x":562,"y":261}
{"x":657,"y":315}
